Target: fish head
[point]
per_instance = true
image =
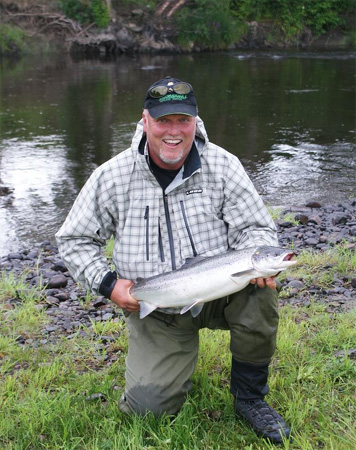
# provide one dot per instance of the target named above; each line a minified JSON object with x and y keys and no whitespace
{"x":272,"y":260}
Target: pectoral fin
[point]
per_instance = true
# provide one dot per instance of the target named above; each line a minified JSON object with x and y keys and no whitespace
{"x":146,"y":309}
{"x":194,"y":308}
{"x":235,"y":276}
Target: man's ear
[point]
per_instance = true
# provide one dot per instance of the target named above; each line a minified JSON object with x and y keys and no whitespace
{"x":144,"y":118}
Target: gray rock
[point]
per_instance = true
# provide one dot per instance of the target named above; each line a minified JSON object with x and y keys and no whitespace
{"x":58,"y":281}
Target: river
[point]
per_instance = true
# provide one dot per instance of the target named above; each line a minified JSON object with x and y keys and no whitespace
{"x":289,"y":117}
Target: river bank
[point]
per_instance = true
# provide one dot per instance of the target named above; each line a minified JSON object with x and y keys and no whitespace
{"x":43,"y":27}
{"x":69,"y":308}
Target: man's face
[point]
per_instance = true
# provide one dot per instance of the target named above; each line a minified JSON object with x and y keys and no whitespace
{"x":169,"y":138}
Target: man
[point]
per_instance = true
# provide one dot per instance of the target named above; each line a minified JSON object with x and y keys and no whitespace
{"x":171,"y":196}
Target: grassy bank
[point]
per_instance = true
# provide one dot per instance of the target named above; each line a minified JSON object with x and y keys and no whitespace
{"x":64,"y":395}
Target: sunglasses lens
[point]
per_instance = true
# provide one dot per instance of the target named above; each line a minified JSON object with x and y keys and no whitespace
{"x":158,"y":91}
{"x":182,"y":88}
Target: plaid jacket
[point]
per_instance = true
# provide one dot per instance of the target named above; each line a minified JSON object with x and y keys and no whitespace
{"x":209,"y":207}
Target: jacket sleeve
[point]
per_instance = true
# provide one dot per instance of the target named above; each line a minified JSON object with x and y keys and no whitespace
{"x":249,"y":222}
{"x":85,"y":231}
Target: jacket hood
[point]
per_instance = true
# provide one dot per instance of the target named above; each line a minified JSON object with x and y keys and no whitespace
{"x":200,"y":133}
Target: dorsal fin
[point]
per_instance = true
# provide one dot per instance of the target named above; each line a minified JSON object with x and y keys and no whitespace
{"x":190,"y":261}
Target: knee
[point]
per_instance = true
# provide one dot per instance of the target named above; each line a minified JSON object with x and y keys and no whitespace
{"x":151,"y":399}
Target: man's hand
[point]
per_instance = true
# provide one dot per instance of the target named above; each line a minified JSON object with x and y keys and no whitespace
{"x":122,"y":298}
{"x":265,"y":282}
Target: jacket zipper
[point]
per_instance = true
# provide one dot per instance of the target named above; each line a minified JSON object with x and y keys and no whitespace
{"x":169,"y":229}
{"x":147,"y":219}
{"x":187,"y":228}
{"x":160,"y":243}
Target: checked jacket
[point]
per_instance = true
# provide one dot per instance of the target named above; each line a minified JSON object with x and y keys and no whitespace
{"x":209,"y":207}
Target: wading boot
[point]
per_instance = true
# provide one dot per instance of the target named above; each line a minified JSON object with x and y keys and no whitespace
{"x":249,"y":387}
{"x":264,"y":419}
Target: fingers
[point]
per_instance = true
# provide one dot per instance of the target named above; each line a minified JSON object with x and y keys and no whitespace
{"x":122,"y":298}
{"x":265,"y":282}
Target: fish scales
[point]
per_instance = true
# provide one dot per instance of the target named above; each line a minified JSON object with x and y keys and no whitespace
{"x":205,"y":279}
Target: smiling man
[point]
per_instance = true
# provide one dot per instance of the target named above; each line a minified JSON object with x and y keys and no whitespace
{"x":171,"y":196}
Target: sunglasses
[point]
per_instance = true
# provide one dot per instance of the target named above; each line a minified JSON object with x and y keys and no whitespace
{"x":177,"y":88}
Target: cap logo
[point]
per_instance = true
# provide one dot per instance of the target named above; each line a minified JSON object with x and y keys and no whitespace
{"x":172,"y":97}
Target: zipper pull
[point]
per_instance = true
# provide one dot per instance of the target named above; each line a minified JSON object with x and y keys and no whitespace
{"x":146,"y":212}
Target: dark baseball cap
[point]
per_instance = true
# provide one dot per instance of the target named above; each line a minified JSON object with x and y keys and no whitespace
{"x":170,"y":96}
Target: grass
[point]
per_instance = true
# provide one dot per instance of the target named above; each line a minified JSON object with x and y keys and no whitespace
{"x":64,"y":395}
{"x":322,"y":268}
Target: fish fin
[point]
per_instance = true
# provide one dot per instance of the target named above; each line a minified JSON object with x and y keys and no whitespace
{"x":190,"y":261}
{"x":194,"y":308}
{"x":138,"y":279}
{"x":146,"y":309}
{"x":238,"y":274}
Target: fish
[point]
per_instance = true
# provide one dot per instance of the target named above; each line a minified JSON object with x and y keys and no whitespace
{"x":204,"y":279}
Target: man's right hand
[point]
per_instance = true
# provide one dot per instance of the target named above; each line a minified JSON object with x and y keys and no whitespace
{"x":122,"y":298}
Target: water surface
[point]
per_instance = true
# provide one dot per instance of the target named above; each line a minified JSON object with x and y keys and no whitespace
{"x":289,"y":117}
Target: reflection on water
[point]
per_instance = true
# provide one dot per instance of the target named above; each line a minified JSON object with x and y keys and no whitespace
{"x":289,"y":116}
{"x":297,"y":171}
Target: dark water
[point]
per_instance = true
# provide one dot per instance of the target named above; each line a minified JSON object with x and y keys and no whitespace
{"x":290,"y":118}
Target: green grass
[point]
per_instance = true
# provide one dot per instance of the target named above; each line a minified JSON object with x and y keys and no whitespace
{"x":321,"y":268}
{"x":47,"y":401}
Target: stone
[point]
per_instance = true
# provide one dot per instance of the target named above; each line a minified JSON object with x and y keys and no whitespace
{"x":58,"y":281}
{"x":313,"y":204}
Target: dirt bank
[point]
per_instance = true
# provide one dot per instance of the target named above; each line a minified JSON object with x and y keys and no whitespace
{"x":131,"y":30}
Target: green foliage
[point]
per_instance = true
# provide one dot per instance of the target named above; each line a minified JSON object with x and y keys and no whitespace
{"x":12,"y":40}
{"x":294,"y":15}
{"x":78,"y":10}
{"x":86,"y":11}
{"x":100,"y":13}
{"x":207,"y":23}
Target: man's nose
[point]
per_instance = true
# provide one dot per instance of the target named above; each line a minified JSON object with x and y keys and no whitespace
{"x":174,"y":129}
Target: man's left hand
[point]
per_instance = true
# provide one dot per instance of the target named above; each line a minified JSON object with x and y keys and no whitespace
{"x":265,"y":282}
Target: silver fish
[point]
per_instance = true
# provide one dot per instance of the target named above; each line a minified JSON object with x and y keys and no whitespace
{"x":203,"y":279}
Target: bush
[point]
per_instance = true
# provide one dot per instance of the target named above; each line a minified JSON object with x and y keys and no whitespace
{"x":207,"y":23}
{"x":87,"y":11}
{"x":12,"y":40}
{"x":293,"y":15}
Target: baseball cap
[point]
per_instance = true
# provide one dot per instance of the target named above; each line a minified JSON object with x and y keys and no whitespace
{"x":170,"y":96}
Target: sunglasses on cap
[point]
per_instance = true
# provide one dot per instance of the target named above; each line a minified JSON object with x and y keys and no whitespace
{"x":177,"y":88}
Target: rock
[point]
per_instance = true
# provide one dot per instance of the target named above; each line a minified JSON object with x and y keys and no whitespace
{"x":295,"y":284}
{"x":100,"y":301}
{"x":312,"y":241}
{"x":313,"y":205}
{"x":107,"y":316}
{"x":15,"y":256}
{"x":98,"y":396}
{"x":59,"y":266}
{"x":58,"y":281}
{"x":51,"y":328}
{"x":315,"y":220}
{"x":353,"y":282}
{"x":338,"y":219}
{"x":302,"y":218}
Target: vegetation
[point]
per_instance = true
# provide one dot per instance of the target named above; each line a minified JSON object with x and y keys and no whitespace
{"x":87,"y":11}
{"x":208,"y":24}
{"x":64,"y":395}
{"x":12,"y":40}
{"x":213,"y":23}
